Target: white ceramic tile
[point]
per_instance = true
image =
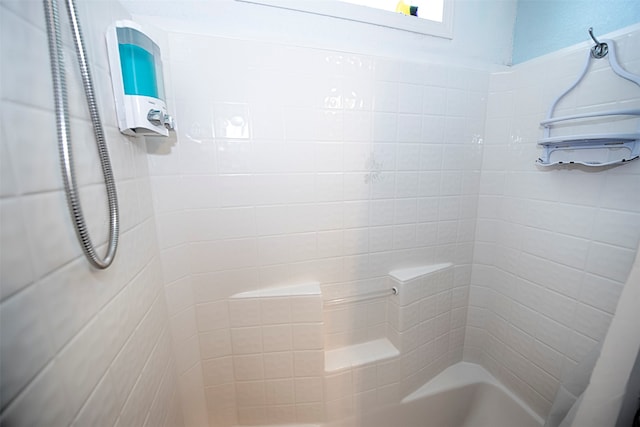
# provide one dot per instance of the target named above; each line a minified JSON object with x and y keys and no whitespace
{"x":171,"y":229}
{"x":543,"y":383}
{"x":409,"y":128}
{"x":43,"y":392}
{"x":192,"y":397}
{"x":22,"y":70}
{"x":250,"y":393}
{"x":385,"y":96}
{"x":100,"y":408}
{"x":616,"y":195}
{"x":408,"y":156}
{"x":404,"y":236}
{"x":83,"y":361}
{"x":321,"y":217}
{"x":246,"y":340}
{"x":410,"y":98}
{"x":591,"y":322}
{"x":215,"y":344}
{"x":355,"y":241}
{"x":224,"y":284}
{"x":382,"y":212}
{"x":308,"y":336}
{"x":547,"y":358}
{"x":266,"y":121}
{"x":553,"y":275}
{"x":231,"y":121}
{"x":218,"y":371}
{"x":251,"y":415}
{"x":357,"y":125}
{"x":355,"y":214}
{"x":203,"y":224}
{"x":34,"y":174}
{"x":70,"y":305}
{"x":278,"y":365}
{"x":557,"y":307}
{"x":384,"y":127}
{"x":302,"y":246}
{"x":275,"y":310}
{"x":405,"y":211}
{"x":552,"y":334}
{"x":54,"y":243}
{"x":277,"y":338}
{"x":617,"y":228}
{"x":212,"y":315}
{"x":232,"y":156}
{"x":328,"y":124}
{"x":434,"y":98}
{"x":308,"y":363}
{"x":26,"y":344}
{"x":338,"y":385}
{"x":248,"y":367}
{"x":279,"y":392}
{"x":306,"y":309}
{"x":608,"y":261}
{"x":380,"y":239}
{"x":223,"y":254}
{"x":600,"y":293}
{"x":308,"y":390}
{"x":232,"y":190}
{"x":221,"y":397}
{"x":15,"y":262}
{"x":328,"y":187}
{"x":179,"y":295}
{"x":187,"y":353}
{"x":566,"y":250}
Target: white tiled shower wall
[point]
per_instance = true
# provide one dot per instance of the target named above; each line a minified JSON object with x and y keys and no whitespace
{"x":553,"y":246}
{"x":299,"y":165}
{"x":293,"y":165}
{"x":77,"y":346}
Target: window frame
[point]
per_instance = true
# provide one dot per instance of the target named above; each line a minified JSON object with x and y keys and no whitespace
{"x":369,"y":15}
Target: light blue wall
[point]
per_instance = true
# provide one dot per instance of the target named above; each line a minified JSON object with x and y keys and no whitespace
{"x":543,"y":26}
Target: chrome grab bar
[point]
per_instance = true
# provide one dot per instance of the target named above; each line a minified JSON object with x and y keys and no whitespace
{"x":362,"y":297}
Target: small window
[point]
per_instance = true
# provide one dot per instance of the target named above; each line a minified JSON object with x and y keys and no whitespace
{"x":425,"y":9}
{"x":431,"y":17}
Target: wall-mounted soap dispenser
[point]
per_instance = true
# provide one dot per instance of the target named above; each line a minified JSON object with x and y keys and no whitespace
{"x":137,"y":79}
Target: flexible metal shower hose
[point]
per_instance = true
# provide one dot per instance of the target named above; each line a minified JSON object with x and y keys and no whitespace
{"x":64,"y":136}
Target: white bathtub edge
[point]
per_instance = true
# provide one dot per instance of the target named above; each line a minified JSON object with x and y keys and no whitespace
{"x":462,"y":374}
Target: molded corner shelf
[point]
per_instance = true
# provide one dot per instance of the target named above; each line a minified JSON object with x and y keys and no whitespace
{"x":403,"y":275}
{"x":304,"y":289}
{"x":359,"y":354}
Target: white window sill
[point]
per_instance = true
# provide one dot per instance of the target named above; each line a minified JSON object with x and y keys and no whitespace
{"x":353,"y":12}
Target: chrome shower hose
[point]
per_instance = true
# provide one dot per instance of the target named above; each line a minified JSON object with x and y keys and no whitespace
{"x":64,"y":134}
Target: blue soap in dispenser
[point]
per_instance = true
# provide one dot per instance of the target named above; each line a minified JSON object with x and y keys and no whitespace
{"x":138,"y":86}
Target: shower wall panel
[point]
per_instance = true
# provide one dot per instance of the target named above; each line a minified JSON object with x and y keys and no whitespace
{"x":297,"y":165}
{"x":553,"y":246}
{"x":77,"y":346}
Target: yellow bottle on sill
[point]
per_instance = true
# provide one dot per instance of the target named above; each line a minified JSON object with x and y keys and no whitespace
{"x":406,"y":9}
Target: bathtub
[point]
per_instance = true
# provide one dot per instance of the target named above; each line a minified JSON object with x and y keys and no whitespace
{"x":463,"y":395}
